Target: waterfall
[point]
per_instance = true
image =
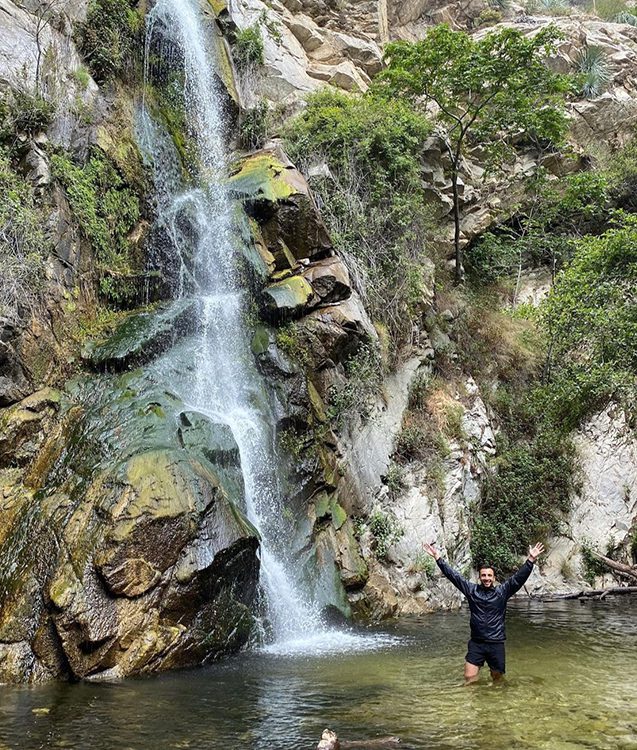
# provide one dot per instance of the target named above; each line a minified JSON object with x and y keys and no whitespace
{"x":198,"y":218}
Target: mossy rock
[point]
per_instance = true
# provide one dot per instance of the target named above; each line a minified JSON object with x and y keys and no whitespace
{"x":278,"y":197}
{"x":136,"y":538}
{"x":261,"y":341}
{"x":225,"y":71}
{"x":263,"y":177}
{"x":218,"y":7}
{"x":22,"y":426}
{"x":142,"y":335}
{"x":290,"y":297}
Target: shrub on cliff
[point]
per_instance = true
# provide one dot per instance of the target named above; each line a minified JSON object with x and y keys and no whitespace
{"x":543,"y":230}
{"x":106,"y":210}
{"x":247,"y":49}
{"x":591,"y":320}
{"x":22,"y":242}
{"x":368,"y":153}
{"x":109,"y":38}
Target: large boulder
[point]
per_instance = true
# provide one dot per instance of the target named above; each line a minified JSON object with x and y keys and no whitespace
{"x":277,"y":195}
{"x":123,"y":546}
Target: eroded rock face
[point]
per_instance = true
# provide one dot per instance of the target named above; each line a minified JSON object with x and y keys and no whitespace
{"x":428,"y":509}
{"x":309,"y":44}
{"x":604,"y":509}
{"x":123,"y":548}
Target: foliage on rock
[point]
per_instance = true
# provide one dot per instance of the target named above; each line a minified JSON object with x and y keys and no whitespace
{"x":543,"y":231}
{"x":247,"y":49}
{"x":591,"y":320}
{"x":22,"y":241}
{"x":106,"y":210}
{"x":484,"y":90}
{"x":371,"y":194}
{"x":109,"y":38}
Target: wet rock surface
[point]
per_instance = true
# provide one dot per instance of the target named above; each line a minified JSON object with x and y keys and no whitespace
{"x":124,"y":549}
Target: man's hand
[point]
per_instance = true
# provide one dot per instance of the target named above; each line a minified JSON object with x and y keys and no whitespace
{"x":431,"y":550}
{"x":536,"y":551}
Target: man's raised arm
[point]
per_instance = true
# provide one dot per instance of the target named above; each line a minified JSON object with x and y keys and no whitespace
{"x":458,"y":581}
{"x":514,"y":584}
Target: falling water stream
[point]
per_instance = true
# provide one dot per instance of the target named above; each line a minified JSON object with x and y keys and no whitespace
{"x":226,"y":387}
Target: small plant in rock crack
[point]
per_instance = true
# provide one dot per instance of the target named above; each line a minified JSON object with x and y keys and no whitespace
{"x":386,"y":531}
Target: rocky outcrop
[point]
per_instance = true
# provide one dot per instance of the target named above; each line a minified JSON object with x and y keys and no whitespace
{"x":38,"y":56}
{"x":434,"y":503}
{"x":604,"y":512}
{"x":124,"y":548}
{"x":308,"y":45}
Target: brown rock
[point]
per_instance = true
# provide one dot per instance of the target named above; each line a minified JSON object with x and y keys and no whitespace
{"x":329,"y":279}
{"x":130,"y":578}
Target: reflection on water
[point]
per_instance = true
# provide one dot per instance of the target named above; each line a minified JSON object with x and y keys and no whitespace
{"x":572,"y":683}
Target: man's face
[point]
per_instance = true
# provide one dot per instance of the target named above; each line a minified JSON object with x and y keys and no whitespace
{"x":487,"y":577}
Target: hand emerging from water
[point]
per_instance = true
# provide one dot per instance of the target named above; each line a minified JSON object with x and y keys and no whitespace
{"x":536,"y":551}
{"x":431,"y":550}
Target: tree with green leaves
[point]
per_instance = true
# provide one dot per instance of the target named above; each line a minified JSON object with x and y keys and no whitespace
{"x":480,"y":91}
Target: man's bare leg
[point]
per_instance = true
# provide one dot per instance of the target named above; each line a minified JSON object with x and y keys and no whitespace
{"x":471,"y":672}
{"x":496,"y":676}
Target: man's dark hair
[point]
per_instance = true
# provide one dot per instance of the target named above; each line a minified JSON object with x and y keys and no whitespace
{"x":485,"y":565}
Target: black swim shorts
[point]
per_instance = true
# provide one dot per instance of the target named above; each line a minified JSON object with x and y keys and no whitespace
{"x":492,"y":652}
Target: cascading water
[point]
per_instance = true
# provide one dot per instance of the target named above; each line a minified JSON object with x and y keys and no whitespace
{"x":225,"y":384}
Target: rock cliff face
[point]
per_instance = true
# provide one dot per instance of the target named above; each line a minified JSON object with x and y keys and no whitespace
{"x":124,"y":546}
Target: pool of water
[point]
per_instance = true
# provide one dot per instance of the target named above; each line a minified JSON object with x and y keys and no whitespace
{"x":571,"y":683}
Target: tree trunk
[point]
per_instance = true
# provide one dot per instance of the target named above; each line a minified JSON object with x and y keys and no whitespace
{"x":618,"y":567}
{"x":459,"y":275}
{"x":592,"y":594}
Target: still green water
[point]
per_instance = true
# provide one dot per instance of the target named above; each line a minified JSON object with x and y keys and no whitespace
{"x":571,"y":683}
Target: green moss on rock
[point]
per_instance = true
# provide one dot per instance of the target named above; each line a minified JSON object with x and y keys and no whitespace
{"x":262,"y":176}
{"x":141,"y":335}
{"x":292,"y":295}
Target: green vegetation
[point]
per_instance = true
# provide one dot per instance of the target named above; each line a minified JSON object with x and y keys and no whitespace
{"x":255,"y":126}
{"x":386,"y":531}
{"x":593,"y":567}
{"x":247,"y":48}
{"x":433,"y":418}
{"x":424,"y":564}
{"x":594,"y":70}
{"x":608,"y":10}
{"x":106,"y":211}
{"x":291,"y":343}
{"x":23,"y":243}
{"x":591,"y":320}
{"x":373,"y":196}
{"x":21,"y":112}
{"x":364,"y":376}
{"x":486,"y":91}
{"x":584,"y":356}
{"x":524,"y":499}
{"x":543,"y":231}
{"x":110,"y":38}
{"x":395,"y":479}
{"x":488,"y":17}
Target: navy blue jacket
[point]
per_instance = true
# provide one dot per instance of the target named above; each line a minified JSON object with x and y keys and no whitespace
{"x":487,"y":606}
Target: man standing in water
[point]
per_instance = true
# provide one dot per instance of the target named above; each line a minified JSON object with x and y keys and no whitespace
{"x":487,"y":603}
